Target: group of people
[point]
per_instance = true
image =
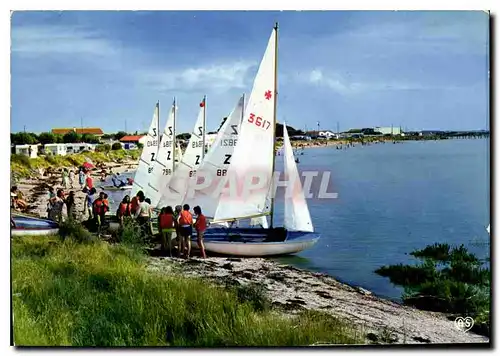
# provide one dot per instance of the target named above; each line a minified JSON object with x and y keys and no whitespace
{"x":173,"y":225}
{"x":56,"y":203}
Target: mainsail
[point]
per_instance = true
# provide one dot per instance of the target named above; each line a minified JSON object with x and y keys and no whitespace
{"x":163,"y":165}
{"x":186,"y":169}
{"x":253,"y":157}
{"x":144,"y":171}
{"x":297,"y":217}
{"x":215,"y":164}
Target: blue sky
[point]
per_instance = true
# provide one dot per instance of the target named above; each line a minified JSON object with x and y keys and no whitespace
{"x":417,"y":69}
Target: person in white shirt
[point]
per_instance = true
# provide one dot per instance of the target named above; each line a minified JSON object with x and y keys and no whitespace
{"x":143,"y":214}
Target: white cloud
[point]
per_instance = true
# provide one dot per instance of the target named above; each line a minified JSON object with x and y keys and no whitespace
{"x":58,"y":40}
{"x":346,"y":86}
{"x":94,"y":52}
{"x":216,"y":77}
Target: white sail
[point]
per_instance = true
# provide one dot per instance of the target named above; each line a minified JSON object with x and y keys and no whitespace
{"x":254,"y":153}
{"x":163,"y":165}
{"x":186,"y":169}
{"x":144,"y":171}
{"x":297,"y":217}
{"x":178,"y":154}
{"x":216,"y":163}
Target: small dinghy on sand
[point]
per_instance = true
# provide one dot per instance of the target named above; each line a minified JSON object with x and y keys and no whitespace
{"x":111,"y":188}
{"x":25,"y":225}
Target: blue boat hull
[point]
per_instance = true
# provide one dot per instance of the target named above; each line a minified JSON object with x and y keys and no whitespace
{"x":258,"y":241}
{"x":28,"y":225}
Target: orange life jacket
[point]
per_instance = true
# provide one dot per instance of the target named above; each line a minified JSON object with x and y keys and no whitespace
{"x":185,"y":218}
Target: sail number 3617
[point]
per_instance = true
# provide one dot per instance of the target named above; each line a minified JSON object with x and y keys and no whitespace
{"x":258,"y":121}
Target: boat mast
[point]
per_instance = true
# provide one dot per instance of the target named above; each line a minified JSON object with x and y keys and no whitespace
{"x":204,"y":124}
{"x":174,"y":141}
{"x":275,"y":108}
{"x":158,"y":123}
{"x":242,"y":108}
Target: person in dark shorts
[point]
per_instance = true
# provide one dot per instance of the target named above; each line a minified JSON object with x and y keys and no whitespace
{"x":186,"y":230}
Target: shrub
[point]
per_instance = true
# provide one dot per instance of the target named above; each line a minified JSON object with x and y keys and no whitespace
{"x":116,"y":146}
{"x":255,"y":294}
{"x":103,"y":148}
{"x":72,"y":229}
{"x":131,"y":233}
{"x":21,"y":159}
{"x":447,"y":279}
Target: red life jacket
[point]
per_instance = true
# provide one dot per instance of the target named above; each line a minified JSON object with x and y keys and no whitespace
{"x":166,"y":221}
{"x":124,"y":209}
{"x":100,"y":207}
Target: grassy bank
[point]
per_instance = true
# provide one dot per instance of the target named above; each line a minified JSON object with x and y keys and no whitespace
{"x":22,"y":166}
{"x":97,"y":294}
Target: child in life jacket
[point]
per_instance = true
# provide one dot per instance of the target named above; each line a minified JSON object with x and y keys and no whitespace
{"x":100,"y":208}
{"x":186,"y":230}
{"x":200,"y":225}
{"x":124,"y":209}
{"x":166,"y":224}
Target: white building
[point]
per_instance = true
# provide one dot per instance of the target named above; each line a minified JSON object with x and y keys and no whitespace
{"x":388,"y":130}
{"x":327,"y":134}
{"x":30,"y":151}
{"x":55,"y":149}
{"x":79,"y":147}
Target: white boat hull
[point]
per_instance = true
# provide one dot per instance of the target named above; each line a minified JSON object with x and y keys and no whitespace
{"x":33,"y":232}
{"x":258,"y":249}
{"x":113,"y":188}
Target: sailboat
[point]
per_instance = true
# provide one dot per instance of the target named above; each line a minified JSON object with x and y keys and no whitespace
{"x":164,"y":164}
{"x":488,"y":229}
{"x":174,"y":193}
{"x":215,"y":163}
{"x":144,"y":170}
{"x":255,"y":153}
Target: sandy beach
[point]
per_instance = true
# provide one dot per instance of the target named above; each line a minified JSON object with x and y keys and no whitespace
{"x":35,"y":189}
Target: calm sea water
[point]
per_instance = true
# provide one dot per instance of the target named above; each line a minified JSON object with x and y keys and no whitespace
{"x":393,"y":199}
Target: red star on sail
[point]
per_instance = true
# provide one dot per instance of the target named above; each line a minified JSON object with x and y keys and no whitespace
{"x":268,"y":95}
{"x":202,"y":104}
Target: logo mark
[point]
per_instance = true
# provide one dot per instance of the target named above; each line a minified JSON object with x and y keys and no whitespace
{"x":464,"y":324}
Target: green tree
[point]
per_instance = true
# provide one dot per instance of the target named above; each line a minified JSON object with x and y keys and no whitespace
{"x":184,"y":136}
{"x":23,"y":138}
{"x":59,"y":138}
{"x":88,"y":138}
{"x":47,"y":137}
{"x":120,"y":134}
{"x":72,"y":137}
{"x":116,"y":146}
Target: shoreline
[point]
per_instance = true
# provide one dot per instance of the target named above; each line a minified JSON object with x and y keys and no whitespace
{"x":35,"y":190}
{"x":291,"y":289}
